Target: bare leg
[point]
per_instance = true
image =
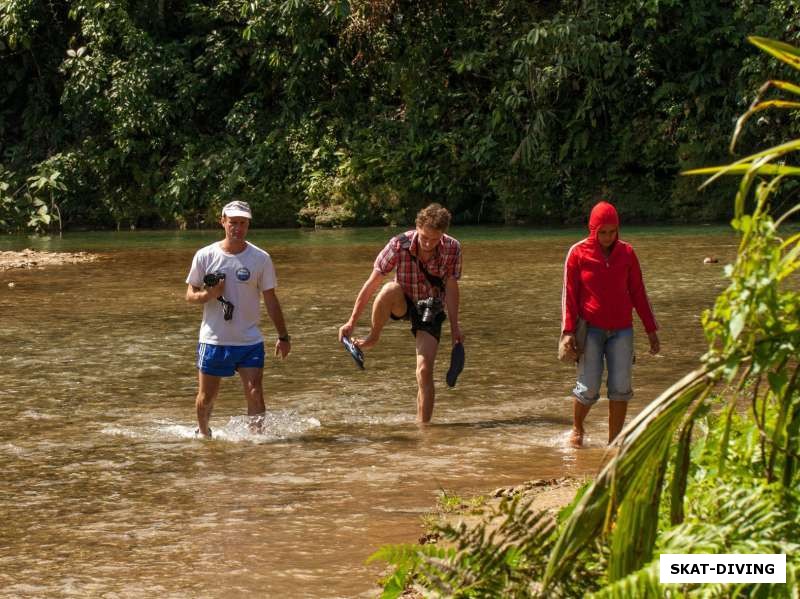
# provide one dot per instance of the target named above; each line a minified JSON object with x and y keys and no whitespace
{"x":390,"y":300}
{"x":579,"y":413}
{"x":616,"y":418}
{"x":208,"y":388}
{"x":426,"y":357}
{"x":254,"y":394}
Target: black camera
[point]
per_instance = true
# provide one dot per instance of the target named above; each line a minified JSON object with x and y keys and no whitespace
{"x":429,"y":309}
{"x":212,"y":278}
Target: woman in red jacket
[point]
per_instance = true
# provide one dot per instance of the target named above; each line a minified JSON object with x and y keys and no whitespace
{"x":602,"y":286}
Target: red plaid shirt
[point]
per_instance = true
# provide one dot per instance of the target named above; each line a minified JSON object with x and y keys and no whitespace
{"x":445,"y":262}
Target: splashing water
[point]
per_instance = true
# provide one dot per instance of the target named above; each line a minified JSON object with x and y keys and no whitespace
{"x":272,"y":426}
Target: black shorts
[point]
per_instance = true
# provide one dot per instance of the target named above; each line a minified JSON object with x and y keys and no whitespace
{"x":434,"y":328}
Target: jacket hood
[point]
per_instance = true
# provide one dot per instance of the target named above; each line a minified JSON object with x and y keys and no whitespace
{"x":603,"y":213}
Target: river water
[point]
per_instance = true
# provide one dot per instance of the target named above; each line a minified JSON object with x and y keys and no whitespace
{"x":105,"y":492}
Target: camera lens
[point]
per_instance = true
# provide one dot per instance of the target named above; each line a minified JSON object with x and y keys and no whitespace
{"x":429,"y":309}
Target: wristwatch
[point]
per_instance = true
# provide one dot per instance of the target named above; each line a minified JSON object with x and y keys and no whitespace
{"x":287,"y":338}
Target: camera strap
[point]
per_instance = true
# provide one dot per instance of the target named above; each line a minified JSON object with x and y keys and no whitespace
{"x":435,"y":281}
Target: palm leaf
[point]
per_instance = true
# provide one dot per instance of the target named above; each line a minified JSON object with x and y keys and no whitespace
{"x":638,"y":511}
{"x":758,"y":107}
{"x":781,"y":85}
{"x":783,"y":52}
{"x":767,"y":169}
{"x":787,"y":214}
{"x":789,"y":262}
{"x":682,"y":461}
{"x":773,"y":152}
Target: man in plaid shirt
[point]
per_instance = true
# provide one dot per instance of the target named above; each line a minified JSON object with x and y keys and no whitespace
{"x":427,"y":265}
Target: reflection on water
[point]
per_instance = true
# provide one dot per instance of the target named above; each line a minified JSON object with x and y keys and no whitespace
{"x":106,"y":490}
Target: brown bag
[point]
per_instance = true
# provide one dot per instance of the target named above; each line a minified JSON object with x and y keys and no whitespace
{"x":566,"y":352}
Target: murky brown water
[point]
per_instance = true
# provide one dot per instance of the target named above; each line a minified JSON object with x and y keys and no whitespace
{"x":105,"y":492}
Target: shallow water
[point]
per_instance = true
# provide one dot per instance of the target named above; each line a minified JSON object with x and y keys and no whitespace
{"x":107,"y":492}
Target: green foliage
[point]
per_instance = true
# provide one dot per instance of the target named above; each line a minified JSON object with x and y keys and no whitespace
{"x":332,"y":112}
{"x":42,"y":187}
{"x":449,"y":503}
{"x":711,"y":465}
{"x":483,"y":561}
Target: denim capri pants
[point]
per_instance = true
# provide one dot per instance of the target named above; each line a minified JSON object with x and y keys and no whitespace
{"x":615,"y":348}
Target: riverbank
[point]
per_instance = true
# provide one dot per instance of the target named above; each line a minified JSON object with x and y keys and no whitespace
{"x":34,"y":259}
{"x":548,"y":494}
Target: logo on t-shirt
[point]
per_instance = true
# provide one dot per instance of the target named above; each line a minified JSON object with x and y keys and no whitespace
{"x":243,"y":274}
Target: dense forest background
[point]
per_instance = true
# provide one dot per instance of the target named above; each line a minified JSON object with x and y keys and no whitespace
{"x":154,"y":113}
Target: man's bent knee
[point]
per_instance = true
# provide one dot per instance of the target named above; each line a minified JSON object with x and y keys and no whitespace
{"x":392,"y":295}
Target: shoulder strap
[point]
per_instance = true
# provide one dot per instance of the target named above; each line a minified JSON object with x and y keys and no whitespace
{"x":405,"y":243}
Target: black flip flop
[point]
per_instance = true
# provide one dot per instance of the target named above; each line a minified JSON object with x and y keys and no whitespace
{"x":456,"y":364}
{"x":354,"y":351}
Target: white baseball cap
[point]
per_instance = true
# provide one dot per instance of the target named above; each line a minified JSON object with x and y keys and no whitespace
{"x":237,"y":208}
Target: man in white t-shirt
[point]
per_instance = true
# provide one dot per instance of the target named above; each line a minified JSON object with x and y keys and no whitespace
{"x":229,"y":277}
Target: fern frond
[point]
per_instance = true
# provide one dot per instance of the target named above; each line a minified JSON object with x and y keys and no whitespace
{"x":642,"y":584}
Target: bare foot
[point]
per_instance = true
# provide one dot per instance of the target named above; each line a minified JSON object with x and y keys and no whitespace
{"x":576,"y":438}
{"x":370,"y":341}
{"x":256,"y":424}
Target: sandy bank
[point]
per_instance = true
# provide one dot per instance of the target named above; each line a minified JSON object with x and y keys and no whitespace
{"x":34,"y":259}
{"x":550,"y":494}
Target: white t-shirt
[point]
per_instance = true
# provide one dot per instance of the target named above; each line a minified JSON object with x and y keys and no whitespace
{"x":247,"y":275}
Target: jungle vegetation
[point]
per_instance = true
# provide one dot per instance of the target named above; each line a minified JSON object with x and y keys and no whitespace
{"x":710,"y":466}
{"x":155,"y":112}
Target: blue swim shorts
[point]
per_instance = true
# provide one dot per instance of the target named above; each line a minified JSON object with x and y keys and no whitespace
{"x":225,"y":360}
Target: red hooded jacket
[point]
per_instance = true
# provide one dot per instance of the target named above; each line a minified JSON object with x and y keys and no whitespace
{"x":604,"y":290}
